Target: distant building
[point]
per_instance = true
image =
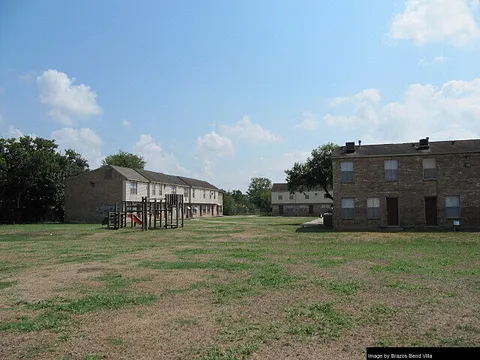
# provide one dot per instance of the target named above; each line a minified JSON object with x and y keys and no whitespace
{"x":90,"y":195}
{"x":409,"y":185}
{"x":313,"y":202}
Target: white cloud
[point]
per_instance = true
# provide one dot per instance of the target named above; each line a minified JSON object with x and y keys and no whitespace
{"x":156,"y":158}
{"x":126,"y":123}
{"x":426,"y":21}
{"x":13,"y":132}
{"x":450,"y":111}
{"x":84,"y":141}
{"x":309,"y":123}
{"x":247,"y":130}
{"x":66,"y":100}
{"x":215,"y":144}
{"x":365,"y":108}
{"x":436,"y":60}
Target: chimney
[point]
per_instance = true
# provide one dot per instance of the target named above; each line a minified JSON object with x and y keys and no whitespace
{"x":423,"y":144}
{"x":359,"y":143}
{"x":350,"y":147}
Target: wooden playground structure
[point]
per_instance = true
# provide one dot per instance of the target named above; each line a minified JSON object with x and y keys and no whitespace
{"x":166,"y":213}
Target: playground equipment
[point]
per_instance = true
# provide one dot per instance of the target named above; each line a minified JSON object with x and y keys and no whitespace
{"x":167,"y":213}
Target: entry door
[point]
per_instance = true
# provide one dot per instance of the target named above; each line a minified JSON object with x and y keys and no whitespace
{"x":310,"y":209}
{"x":431,"y":211}
{"x":392,"y":211}
{"x":280,"y":209}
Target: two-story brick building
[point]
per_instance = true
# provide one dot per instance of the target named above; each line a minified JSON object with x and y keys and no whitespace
{"x":90,"y":195}
{"x":311,"y":202}
{"x":409,"y":185}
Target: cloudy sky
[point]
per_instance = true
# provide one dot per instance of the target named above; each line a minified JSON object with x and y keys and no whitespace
{"x":228,"y":90}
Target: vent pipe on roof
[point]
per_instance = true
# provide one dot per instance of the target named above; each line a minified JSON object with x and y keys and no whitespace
{"x":359,"y":143}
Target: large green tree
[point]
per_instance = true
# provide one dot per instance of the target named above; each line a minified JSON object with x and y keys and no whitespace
{"x":316,"y":172}
{"x":260,"y":193}
{"x":32,"y":177}
{"x":125,"y":159}
{"x":236,"y":203}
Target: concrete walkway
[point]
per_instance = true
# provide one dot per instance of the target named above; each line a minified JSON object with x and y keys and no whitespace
{"x":315,"y":222}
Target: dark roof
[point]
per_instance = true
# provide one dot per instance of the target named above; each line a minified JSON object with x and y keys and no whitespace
{"x":435,"y":147}
{"x":129,"y":174}
{"x":283,"y":187}
{"x":197,"y":183}
{"x":161,"y":177}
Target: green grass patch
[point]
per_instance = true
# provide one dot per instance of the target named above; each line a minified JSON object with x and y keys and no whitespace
{"x":50,"y":320}
{"x":190,"y":265}
{"x":94,"y":302}
{"x":242,"y":352}
{"x":317,"y":320}
{"x":328,"y":263}
{"x":114,"y":281}
{"x":95,"y":356}
{"x":343,"y":287}
{"x":7,"y":284}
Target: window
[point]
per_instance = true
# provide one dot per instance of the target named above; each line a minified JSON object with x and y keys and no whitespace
{"x":391,"y":167}
{"x":214,"y":195}
{"x":153,"y":189}
{"x":347,"y":171}
{"x":211,"y":193}
{"x":174,"y":189}
{"x":348,"y":208}
{"x":193,"y":193}
{"x":185,"y":192}
{"x":452,"y":207}
{"x":133,"y":187}
{"x":325,"y":196}
{"x":291,"y":196}
{"x":280,"y":197}
{"x":160,"y":189}
{"x":204,"y":194}
{"x":373,"y":208}
{"x":429,"y":168}
{"x":307,"y":196}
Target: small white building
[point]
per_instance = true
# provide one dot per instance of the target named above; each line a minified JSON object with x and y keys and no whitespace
{"x":312,"y":202}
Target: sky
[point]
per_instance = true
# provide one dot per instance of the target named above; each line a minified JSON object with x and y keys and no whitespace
{"x":229,"y":90}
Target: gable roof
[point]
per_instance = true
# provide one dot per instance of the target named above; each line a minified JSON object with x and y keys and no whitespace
{"x":283,"y":187}
{"x":161,"y":177}
{"x":435,"y":148}
{"x":197,"y":183}
{"x":129,"y":174}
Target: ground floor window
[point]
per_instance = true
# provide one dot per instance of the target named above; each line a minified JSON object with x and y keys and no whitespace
{"x":348,"y":208}
{"x":452,"y":207}
{"x":373,"y":208}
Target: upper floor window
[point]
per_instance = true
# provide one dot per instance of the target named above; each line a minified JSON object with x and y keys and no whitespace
{"x":391,"y":170}
{"x":204,"y":194}
{"x":174,"y":189}
{"x":154,"y":186}
{"x":280,"y":197}
{"x":429,"y":168}
{"x":452,"y":207}
{"x":291,"y":196}
{"x":347,"y":171}
{"x":185,"y":192}
{"x":307,"y":196}
{"x":193,"y":193}
{"x":348,"y":208}
{"x":160,"y":191}
{"x":373,"y":208}
{"x":133,"y":187}
{"x":325,"y":196}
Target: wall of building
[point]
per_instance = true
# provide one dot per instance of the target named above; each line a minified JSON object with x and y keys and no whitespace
{"x":89,"y":196}
{"x":457,"y":174}
{"x":284,"y":203}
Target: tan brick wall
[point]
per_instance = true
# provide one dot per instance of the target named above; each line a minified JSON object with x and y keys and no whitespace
{"x":88,"y":196}
{"x":453,"y":178}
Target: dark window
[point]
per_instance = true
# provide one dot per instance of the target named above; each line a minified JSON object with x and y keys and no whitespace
{"x":452,"y":207}
{"x":429,"y":168}
{"x":347,"y":171}
{"x":348,"y":208}
{"x":373,"y":208}
{"x":280,"y":197}
{"x":133,"y":188}
{"x":391,"y":167}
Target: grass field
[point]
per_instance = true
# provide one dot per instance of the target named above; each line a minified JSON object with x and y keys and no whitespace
{"x":232,"y":288}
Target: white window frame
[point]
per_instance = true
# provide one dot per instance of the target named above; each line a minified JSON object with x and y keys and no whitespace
{"x":133,"y":187}
{"x":280,"y":197}
{"x":452,"y":207}
{"x":291,"y":196}
{"x":373,"y":208}
{"x":154,"y":189}
{"x":348,"y":208}
{"x":347,"y":171}
{"x":307,"y":196}
{"x":391,"y":169}
{"x":429,"y":168}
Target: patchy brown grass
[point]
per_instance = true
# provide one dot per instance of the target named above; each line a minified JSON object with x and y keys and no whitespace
{"x":245,"y":288}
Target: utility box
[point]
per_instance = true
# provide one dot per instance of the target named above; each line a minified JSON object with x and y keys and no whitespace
{"x":328,"y":220}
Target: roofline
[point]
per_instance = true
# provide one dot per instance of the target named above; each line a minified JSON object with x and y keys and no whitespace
{"x":353,"y":155}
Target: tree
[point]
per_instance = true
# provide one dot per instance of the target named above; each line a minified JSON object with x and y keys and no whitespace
{"x":32,"y":177}
{"x":125,"y":159}
{"x":260,"y":193}
{"x":315,"y":172}
{"x":235,"y":203}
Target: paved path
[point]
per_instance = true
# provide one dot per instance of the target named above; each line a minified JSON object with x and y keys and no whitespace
{"x":315,"y":222}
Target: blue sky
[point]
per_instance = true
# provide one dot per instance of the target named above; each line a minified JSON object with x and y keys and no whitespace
{"x":228,"y":90}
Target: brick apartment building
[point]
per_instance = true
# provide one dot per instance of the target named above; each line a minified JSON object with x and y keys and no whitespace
{"x":89,"y":196}
{"x":410,"y":185}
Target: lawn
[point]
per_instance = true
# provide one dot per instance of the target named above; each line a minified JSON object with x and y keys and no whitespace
{"x":232,"y":288}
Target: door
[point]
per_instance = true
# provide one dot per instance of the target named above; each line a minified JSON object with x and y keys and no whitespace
{"x":392,"y":211}
{"x":310,"y":209}
{"x":280,"y":209}
{"x":431,"y":211}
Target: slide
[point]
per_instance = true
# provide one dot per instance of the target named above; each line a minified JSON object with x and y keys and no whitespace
{"x":135,"y":218}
